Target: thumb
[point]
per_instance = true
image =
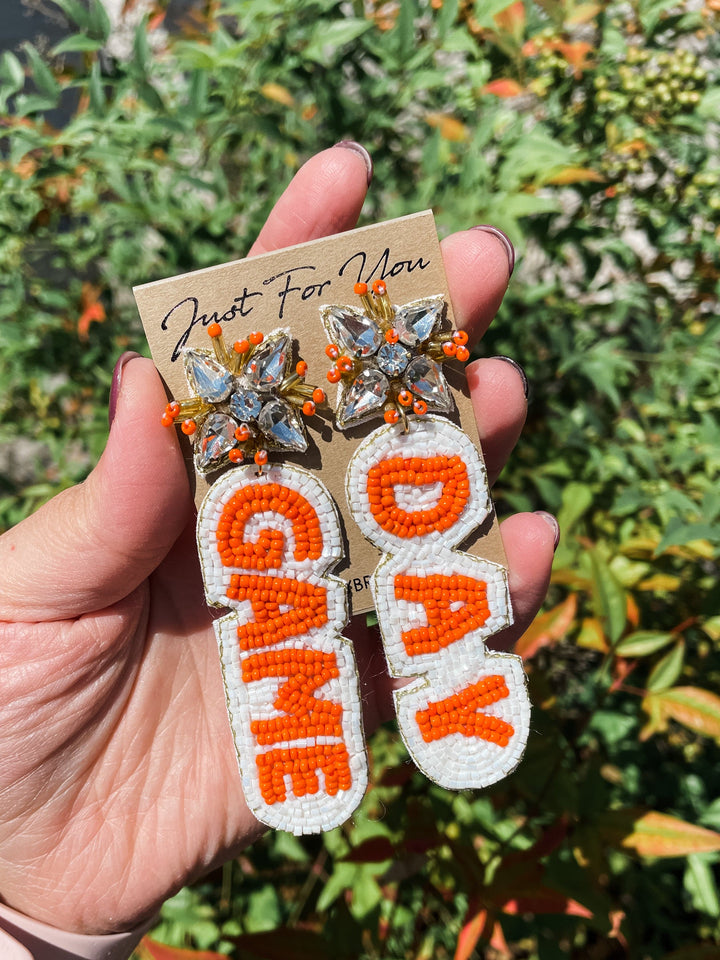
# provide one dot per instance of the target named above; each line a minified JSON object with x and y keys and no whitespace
{"x":95,"y":543}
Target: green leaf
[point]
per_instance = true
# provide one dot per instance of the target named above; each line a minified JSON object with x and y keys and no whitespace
{"x":78,"y":43}
{"x":76,"y":11}
{"x":699,"y":882}
{"x":576,"y":499}
{"x":263,"y":911}
{"x":328,"y":38}
{"x":41,"y":74}
{"x":609,"y":600}
{"x":693,"y":707}
{"x":643,"y":643}
{"x":666,"y":672}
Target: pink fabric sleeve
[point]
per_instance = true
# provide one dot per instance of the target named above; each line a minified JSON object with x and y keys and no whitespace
{"x":24,"y":939}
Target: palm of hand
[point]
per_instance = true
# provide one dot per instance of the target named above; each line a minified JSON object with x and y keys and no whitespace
{"x":119,"y":779}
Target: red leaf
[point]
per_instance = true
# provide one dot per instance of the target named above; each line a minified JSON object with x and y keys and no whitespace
{"x":503,"y":88}
{"x":546,"y":901}
{"x":548,"y":628}
{"x":152,"y":950}
{"x":374,"y":850}
{"x":473,"y":930}
{"x":512,"y":19}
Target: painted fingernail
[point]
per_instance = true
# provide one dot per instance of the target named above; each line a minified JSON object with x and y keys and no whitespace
{"x":361,"y":151}
{"x":504,"y":239}
{"x":551,"y":522}
{"x":116,"y":381}
{"x":523,"y":375}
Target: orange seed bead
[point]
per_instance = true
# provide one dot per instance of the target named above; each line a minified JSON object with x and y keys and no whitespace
{"x":242,"y":433}
{"x":391,"y":335}
{"x":167,"y":419}
{"x":379,"y":287}
{"x":460,"y":338}
{"x":256,"y":338}
{"x":449,"y":349}
{"x":188,"y":427}
{"x":391,"y":416}
{"x":462,"y":354}
{"x":318,"y":395}
{"x":405,"y":398}
{"x":360,"y":289}
{"x":214,"y":330}
{"x":420,"y":407}
{"x":332,"y":350}
{"x":334,"y":375}
{"x":301,"y":368}
{"x":308,"y":408}
{"x":236,"y":456}
{"x":241,"y":346}
{"x":261,"y":457}
{"x":173,"y":408}
{"x":345,"y":364}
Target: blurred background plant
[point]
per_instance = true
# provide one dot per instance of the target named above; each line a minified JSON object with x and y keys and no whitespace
{"x":589,"y":132}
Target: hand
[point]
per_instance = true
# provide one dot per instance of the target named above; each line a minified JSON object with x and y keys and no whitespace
{"x":118,"y":780}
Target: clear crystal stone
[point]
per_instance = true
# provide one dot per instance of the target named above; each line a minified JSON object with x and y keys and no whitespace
{"x":351,"y":329}
{"x":245,"y":404}
{"x":414,"y":321}
{"x":392,"y":358}
{"x":364,"y":396}
{"x":279,"y":422}
{"x":216,"y":437}
{"x":208,"y":378}
{"x":426,"y":379}
{"x":266,"y":368}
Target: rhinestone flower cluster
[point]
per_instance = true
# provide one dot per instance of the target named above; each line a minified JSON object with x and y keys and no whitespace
{"x":387,"y":357}
{"x":245,"y":400}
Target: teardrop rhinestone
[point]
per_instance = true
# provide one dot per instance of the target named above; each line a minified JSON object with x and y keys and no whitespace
{"x":426,"y":380}
{"x":279,"y":422}
{"x":366,"y":394}
{"x":245,"y":404}
{"x":355,"y":332}
{"x":392,"y":359}
{"x":415,"y":321}
{"x":215,"y":439}
{"x":266,"y":369}
{"x":207,"y":378}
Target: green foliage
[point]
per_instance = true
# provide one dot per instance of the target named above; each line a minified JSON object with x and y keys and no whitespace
{"x":587,"y":131}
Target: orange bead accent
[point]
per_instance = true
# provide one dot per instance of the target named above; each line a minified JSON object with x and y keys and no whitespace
{"x":301,"y":368}
{"x":379,"y":288}
{"x":360,"y":289}
{"x":437,"y":594}
{"x":332,"y":350}
{"x":334,"y":375}
{"x":173,"y":408}
{"x":405,"y":398}
{"x":318,"y":395}
{"x":463,"y":354}
{"x":308,"y":408}
{"x":268,"y":551}
{"x":345,"y":364}
{"x":256,"y":338}
{"x":241,"y":346}
{"x":391,"y":416}
{"x":460,"y":338}
{"x":382,"y":478}
{"x":261,"y":458}
{"x":301,"y":763}
{"x":307,"y":611}
{"x":236,"y":456}
{"x":242,"y":433}
{"x":307,"y":671}
{"x":391,"y":335}
{"x":188,"y":427}
{"x":459,"y":713}
{"x":449,"y":349}
{"x":167,"y":419}
{"x":420,"y":408}
{"x":214,"y":330}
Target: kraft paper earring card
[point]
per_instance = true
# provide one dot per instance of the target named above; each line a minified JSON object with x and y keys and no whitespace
{"x":286,"y":290}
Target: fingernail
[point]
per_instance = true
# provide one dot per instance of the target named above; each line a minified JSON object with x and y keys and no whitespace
{"x":504,"y":239}
{"x":361,"y":151}
{"x":551,"y":522}
{"x":523,"y":375}
{"x":116,"y":381}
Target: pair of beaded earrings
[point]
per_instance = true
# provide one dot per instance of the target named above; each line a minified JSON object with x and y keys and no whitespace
{"x":269,"y":536}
